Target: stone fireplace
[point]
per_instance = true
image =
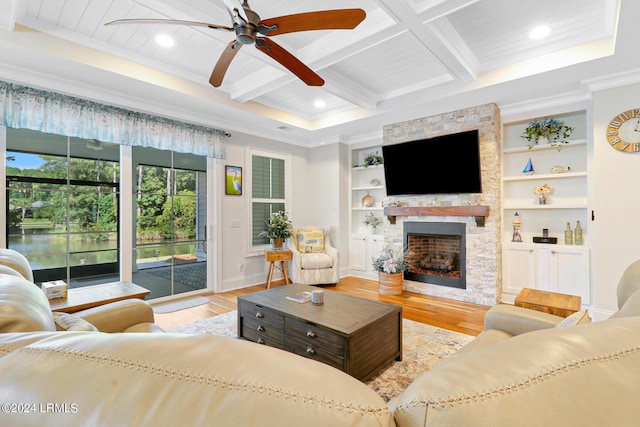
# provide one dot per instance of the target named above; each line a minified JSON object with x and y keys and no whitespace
{"x":436,"y":253}
{"x":479,"y":260}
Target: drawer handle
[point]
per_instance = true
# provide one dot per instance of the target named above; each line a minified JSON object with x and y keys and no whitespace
{"x":310,"y":350}
{"x":311,"y":334}
{"x":260,"y":341}
{"x":259,"y":315}
{"x":260,"y":328}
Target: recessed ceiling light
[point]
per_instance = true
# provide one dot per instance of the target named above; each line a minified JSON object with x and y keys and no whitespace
{"x":540,"y":32}
{"x":319,"y":103}
{"x":164,"y":40}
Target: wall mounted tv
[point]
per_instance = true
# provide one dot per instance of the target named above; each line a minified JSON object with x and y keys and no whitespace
{"x":447,"y":164}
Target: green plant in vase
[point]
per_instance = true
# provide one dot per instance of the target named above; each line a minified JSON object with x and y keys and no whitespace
{"x":553,"y":130}
{"x":279,"y":228}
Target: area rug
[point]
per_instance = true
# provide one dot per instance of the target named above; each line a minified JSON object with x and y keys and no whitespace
{"x":180,"y":304}
{"x":423,"y":345}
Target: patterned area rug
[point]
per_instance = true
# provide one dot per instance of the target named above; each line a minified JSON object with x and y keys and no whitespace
{"x":423,"y":345}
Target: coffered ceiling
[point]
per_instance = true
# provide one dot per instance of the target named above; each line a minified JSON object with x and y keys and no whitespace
{"x":407,"y":59}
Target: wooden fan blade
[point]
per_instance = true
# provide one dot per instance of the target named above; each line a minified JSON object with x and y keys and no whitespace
{"x":169,"y":21}
{"x":223,"y":63}
{"x":343,"y":19}
{"x":289,"y":61}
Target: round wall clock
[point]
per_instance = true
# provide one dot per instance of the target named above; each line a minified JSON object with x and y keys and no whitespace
{"x":623,"y":131}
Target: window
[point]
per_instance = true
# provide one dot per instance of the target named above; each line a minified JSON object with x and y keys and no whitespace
{"x":62,"y":206}
{"x":269,"y":184}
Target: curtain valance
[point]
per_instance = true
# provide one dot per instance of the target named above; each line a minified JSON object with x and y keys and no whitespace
{"x":22,"y":107}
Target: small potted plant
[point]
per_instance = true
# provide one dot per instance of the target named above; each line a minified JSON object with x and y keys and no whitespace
{"x":279,"y":228}
{"x":390,"y":267}
{"x":552,"y":130}
{"x":372,"y":159}
{"x":542,"y":192}
{"x":372,"y":221}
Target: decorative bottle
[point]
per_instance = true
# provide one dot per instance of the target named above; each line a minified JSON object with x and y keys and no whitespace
{"x":577,"y":234}
{"x":568,"y":235}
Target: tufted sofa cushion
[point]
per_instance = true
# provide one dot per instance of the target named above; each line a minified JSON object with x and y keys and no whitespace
{"x":23,"y":306}
{"x":177,"y":380}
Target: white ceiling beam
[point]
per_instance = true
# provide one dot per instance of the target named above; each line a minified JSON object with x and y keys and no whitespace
{"x":424,"y":26}
{"x":349,"y":90}
{"x":11,"y":9}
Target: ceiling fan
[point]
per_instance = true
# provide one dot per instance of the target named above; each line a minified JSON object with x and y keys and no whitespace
{"x":251,"y":29}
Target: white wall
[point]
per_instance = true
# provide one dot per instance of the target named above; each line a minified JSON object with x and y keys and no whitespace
{"x":616,"y":200}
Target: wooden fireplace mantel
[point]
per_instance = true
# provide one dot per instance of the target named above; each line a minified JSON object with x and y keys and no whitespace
{"x":479,"y":212}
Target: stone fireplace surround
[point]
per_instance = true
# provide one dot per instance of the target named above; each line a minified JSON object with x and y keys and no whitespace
{"x":483,"y":246}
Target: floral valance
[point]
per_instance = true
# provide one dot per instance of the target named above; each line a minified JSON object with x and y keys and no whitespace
{"x":22,"y":107}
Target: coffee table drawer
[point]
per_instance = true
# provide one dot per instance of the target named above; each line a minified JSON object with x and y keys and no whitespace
{"x":263,"y":333}
{"x":313,"y":352}
{"x":264,"y":314}
{"x":314,"y":335}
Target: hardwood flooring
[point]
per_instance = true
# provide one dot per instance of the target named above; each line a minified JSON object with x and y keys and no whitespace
{"x":441,"y":312}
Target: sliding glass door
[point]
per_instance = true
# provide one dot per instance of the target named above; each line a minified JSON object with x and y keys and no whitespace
{"x":170,"y":211}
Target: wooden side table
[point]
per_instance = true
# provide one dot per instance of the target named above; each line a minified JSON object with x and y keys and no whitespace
{"x":92,"y":296}
{"x":277,"y":255}
{"x":548,"y":302}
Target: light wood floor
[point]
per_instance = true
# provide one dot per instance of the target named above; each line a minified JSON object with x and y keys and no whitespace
{"x":445,"y":313}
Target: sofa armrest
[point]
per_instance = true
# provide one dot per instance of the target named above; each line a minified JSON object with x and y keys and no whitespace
{"x":518,"y":320}
{"x":118,"y":316}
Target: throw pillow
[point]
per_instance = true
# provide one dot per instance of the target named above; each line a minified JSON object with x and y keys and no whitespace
{"x":69,"y":322}
{"x":576,"y":318}
{"x":311,"y":241}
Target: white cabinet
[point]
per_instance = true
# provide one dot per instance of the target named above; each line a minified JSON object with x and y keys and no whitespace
{"x":555,"y":268}
{"x":365,"y":247}
{"x":367,"y":193}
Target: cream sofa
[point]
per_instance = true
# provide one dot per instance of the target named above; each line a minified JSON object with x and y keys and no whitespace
{"x":586,"y":375}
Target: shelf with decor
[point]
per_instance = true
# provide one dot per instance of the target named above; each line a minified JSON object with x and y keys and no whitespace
{"x":560,"y":171}
{"x":367,"y":193}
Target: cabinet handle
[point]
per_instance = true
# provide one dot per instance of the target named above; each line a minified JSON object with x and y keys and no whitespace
{"x":553,"y":252}
{"x":260,"y":341}
{"x":311,"y":334}
{"x":259,"y":315}
{"x":260,"y":328}
{"x":310,"y":350}
{"x":530,"y":251}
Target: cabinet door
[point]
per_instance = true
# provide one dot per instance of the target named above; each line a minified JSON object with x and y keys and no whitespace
{"x":375,"y":244}
{"x":358,"y":252}
{"x":518,"y":269}
{"x":569,"y":272}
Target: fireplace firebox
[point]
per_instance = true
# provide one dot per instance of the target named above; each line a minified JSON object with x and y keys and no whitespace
{"x":436,"y":253}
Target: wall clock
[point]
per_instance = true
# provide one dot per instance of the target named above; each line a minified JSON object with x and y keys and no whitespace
{"x":623,"y":131}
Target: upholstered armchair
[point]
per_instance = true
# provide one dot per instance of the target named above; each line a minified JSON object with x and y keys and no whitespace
{"x":25,"y":308}
{"x":314,"y":261}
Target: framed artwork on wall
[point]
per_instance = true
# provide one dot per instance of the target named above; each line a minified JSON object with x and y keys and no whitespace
{"x":233,"y":180}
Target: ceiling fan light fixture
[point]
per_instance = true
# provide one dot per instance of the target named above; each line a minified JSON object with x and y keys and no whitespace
{"x":540,"y":32}
{"x":165,"y":40}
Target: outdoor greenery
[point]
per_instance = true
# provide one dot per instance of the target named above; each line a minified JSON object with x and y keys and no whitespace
{"x":92,"y":199}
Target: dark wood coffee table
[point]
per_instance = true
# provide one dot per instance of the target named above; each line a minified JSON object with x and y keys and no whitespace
{"x":353,"y":334}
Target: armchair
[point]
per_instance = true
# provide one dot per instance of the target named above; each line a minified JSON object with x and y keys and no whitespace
{"x":314,"y":261}
{"x":25,"y":308}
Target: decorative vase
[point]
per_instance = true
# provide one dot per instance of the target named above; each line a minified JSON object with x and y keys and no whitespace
{"x":542,"y":200}
{"x":390,"y":283}
{"x":277,"y":243}
{"x":542,"y":139}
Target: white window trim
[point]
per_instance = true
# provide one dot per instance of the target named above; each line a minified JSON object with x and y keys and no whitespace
{"x":258,"y":250}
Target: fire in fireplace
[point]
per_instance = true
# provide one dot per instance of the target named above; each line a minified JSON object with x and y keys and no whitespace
{"x":436,"y":253}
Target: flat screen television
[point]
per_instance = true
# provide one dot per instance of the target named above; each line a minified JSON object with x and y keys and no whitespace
{"x":447,"y":164}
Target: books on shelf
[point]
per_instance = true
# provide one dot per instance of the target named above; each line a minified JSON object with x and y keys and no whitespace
{"x":302,"y":297}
